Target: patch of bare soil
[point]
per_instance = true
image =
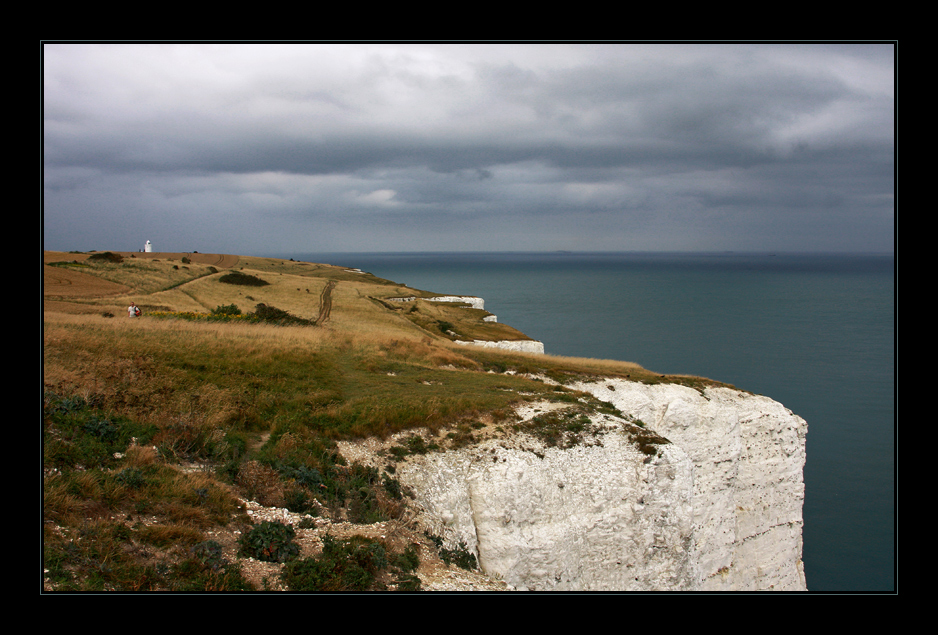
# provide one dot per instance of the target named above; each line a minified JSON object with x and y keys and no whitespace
{"x":325,"y":303}
{"x":68,"y":283}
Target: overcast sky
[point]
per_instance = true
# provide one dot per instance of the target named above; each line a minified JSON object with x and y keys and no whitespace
{"x":264,"y":149}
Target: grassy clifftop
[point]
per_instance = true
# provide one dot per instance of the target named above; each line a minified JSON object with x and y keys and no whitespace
{"x":256,"y":402}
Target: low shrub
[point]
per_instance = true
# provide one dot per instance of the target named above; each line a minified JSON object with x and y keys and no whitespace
{"x":226,"y":309}
{"x":460,"y":556}
{"x":299,"y":501}
{"x":206,"y":569}
{"x":407,"y":561}
{"x":445,"y":327}
{"x":243,"y":279}
{"x":270,"y":542}
{"x":343,"y":565}
{"x":273,"y":315}
{"x":415,"y":444}
{"x":106,"y":256}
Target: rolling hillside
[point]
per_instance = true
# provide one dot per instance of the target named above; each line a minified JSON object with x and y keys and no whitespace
{"x":231,"y":394}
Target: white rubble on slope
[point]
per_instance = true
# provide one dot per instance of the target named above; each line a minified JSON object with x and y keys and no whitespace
{"x":718,"y":508}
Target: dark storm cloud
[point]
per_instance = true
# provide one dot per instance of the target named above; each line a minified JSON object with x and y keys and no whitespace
{"x":471,"y":147}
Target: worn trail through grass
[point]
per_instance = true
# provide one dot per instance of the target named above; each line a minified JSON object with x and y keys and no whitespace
{"x":325,"y":303}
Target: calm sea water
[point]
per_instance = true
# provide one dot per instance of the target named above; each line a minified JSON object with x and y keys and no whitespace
{"x":815,"y":332}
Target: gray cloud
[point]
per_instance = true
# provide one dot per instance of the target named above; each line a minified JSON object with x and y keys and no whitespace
{"x":253,"y":148}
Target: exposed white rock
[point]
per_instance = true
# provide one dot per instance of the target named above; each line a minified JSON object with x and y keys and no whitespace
{"x":524,"y":346}
{"x":718,"y":508}
{"x":473,"y":301}
{"x":748,"y":453}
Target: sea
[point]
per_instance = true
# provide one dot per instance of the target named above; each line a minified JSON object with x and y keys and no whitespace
{"x":816,"y":332}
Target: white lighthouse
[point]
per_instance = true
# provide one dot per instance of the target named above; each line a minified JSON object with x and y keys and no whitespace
{"x":148,"y":247}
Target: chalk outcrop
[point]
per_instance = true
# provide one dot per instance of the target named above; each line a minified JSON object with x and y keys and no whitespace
{"x":524,"y":346}
{"x":473,"y":301}
{"x":718,"y":507}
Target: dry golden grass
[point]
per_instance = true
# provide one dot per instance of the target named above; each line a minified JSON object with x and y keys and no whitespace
{"x":71,"y":283}
{"x":261,"y":483}
{"x":212,"y":375}
{"x":262,"y":404}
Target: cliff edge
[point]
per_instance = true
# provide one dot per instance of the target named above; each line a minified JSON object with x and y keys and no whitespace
{"x":712,"y":502}
{"x":555,"y":473}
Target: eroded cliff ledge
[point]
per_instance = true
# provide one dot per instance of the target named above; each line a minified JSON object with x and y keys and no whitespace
{"x":712,"y":502}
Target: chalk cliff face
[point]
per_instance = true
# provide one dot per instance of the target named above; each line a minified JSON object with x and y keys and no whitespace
{"x":715,"y":506}
{"x":524,"y":346}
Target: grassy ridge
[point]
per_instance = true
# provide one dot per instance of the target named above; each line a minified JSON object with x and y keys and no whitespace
{"x":129,"y":401}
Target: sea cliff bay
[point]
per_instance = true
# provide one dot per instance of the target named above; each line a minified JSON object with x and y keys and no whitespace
{"x":276,"y":424}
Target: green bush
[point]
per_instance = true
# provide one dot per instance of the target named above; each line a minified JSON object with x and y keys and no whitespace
{"x":346,"y":565}
{"x":226,"y":309}
{"x":407,"y":561}
{"x":460,"y":556}
{"x":274,"y":315}
{"x":270,"y":542}
{"x":106,"y":256}
{"x":206,"y":569}
{"x":131,"y":477}
{"x":209,"y":553}
{"x":243,"y":279}
{"x":299,"y":501}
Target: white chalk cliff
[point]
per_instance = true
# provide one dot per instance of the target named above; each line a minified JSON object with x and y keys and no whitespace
{"x":715,"y":506}
{"x":523,"y":346}
{"x":475,"y":302}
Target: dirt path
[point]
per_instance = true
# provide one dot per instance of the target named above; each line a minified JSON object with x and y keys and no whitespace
{"x":225,"y":261}
{"x":63,"y":282}
{"x":325,"y":303}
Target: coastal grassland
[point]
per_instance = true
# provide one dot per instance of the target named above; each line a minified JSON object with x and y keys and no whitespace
{"x":131,"y":405}
{"x":250,"y":376}
{"x":130,"y":401}
{"x":298,"y":295}
{"x":144,"y":275}
{"x":371,"y":370}
{"x":454,"y":321}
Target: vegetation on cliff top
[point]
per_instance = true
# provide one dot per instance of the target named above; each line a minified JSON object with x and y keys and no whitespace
{"x":259,"y":403}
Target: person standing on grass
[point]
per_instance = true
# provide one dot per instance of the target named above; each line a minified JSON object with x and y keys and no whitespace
{"x":133,"y":310}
